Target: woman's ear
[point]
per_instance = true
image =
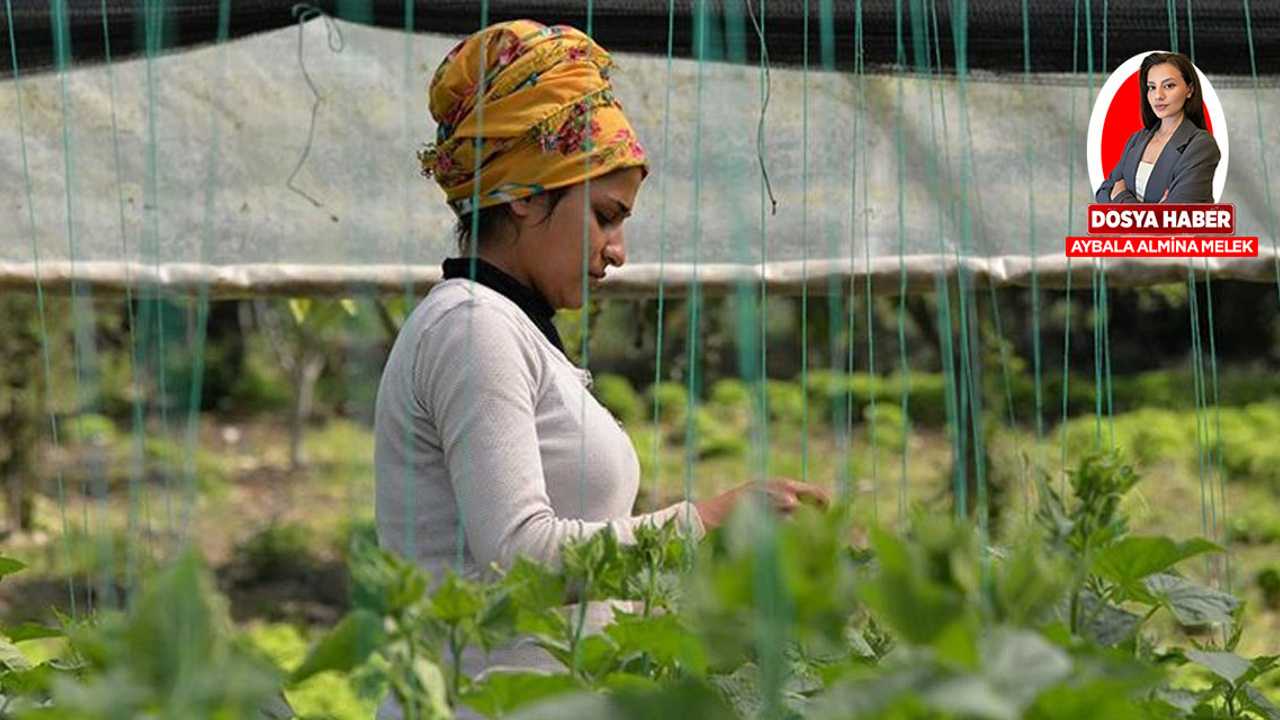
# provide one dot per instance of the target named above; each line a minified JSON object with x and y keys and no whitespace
{"x":523,"y":207}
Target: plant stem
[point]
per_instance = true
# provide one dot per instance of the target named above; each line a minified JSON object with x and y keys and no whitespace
{"x":455,"y":650}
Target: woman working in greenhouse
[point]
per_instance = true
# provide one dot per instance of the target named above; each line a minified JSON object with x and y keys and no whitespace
{"x":489,"y":445}
{"x":1173,"y":158}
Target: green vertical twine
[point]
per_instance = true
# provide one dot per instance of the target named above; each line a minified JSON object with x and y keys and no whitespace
{"x":1106,"y":12}
{"x":1197,"y":376}
{"x":1106,"y":357}
{"x":860,"y":130}
{"x":900,"y":143}
{"x":81,"y":303}
{"x":40,"y":303}
{"x":481,"y":92}
{"x":690,"y":429}
{"x":772,"y":611}
{"x":1172,"y":11}
{"x":1262,"y":146}
{"x":585,"y":320}
{"x":941,"y":187}
{"x":1223,"y":537}
{"x":1066,"y":330}
{"x":202,"y":300}
{"x":835,"y":292}
{"x":969,"y":317}
{"x":1097,"y":357}
{"x":585,"y":315}
{"x":154,"y":305}
{"x":1099,"y":310}
{"x":409,"y":259}
{"x":763,"y":418}
{"x":804,"y":257}
{"x":136,"y":402}
{"x":1034,"y":251}
{"x":662,"y":262}
{"x":1191,"y":34}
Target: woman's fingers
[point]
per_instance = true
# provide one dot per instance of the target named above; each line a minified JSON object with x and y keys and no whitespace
{"x":787,"y":495}
{"x":802,"y":491}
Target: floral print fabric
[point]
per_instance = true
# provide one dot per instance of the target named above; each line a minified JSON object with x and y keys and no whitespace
{"x":522,"y":108}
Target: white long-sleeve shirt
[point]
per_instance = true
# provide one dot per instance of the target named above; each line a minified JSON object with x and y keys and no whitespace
{"x":488,"y":436}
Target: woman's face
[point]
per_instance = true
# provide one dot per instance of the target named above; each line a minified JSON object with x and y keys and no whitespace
{"x":1167,"y":92}
{"x":549,"y":247}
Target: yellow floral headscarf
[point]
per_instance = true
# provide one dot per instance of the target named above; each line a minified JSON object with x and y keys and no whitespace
{"x":548,"y":116}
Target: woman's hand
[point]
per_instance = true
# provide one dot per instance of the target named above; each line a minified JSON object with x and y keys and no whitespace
{"x":1117,"y":188}
{"x":783,"y":495}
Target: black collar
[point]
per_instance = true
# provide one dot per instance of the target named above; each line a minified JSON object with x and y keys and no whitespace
{"x":528,"y":300}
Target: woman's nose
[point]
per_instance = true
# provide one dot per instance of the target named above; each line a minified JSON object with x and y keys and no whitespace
{"x":615,"y":251}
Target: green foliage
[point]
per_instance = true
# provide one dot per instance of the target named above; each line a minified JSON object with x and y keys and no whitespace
{"x":1268,"y":581}
{"x":175,"y":458}
{"x":886,"y":426}
{"x":172,"y":655}
{"x":617,"y":395}
{"x":353,"y":696}
{"x":762,"y":619}
{"x":672,"y":399}
{"x":718,"y":438}
{"x":89,"y":428}
{"x":277,"y":551}
{"x":786,"y":401}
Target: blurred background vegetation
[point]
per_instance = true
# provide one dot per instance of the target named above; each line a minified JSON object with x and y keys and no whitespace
{"x":247,"y":425}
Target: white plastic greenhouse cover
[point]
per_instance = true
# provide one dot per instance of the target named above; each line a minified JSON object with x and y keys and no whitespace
{"x":904,"y":174}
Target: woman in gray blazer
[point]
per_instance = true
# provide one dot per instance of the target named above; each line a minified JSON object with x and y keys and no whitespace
{"x":1173,"y":158}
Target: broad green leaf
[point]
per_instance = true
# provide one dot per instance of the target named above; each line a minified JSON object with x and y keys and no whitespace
{"x":1228,"y":666}
{"x":356,"y":637}
{"x":578,"y":706}
{"x":1020,"y":664}
{"x":903,"y":596}
{"x":1106,"y":624}
{"x":9,"y":566}
{"x":498,"y":620}
{"x":1260,"y":703}
{"x":662,"y":637}
{"x":33,"y":631}
{"x":971,"y":696}
{"x":1128,"y":561}
{"x":502,"y":692}
{"x":456,"y":600}
{"x":629,"y":682}
{"x":11,"y":658}
{"x":1260,"y":666}
{"x":348,"y":306}
{"x":1190,"y":603}
{"x":873,"y":693}
{"x":598,"y":655}
{"x":429,"y":677}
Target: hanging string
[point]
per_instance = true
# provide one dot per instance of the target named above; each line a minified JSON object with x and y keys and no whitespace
{"x":41,"y":310}
{"x":768,"y":90}
{"x":303,"y":12}
{"x":202,"y":293}
{"x":82,"y":327}
{"x":804,"y":257}
{"x":138,"y":430}
{"x":1262,"y":153}
{"x":860,"y":131}
{"x":657,"y":438}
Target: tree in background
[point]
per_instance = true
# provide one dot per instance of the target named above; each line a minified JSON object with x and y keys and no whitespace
{"x":23,"y":407}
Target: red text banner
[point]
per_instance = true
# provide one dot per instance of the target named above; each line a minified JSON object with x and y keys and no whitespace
{"x":1167,"y":247}
{"x":1159,"y":219}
